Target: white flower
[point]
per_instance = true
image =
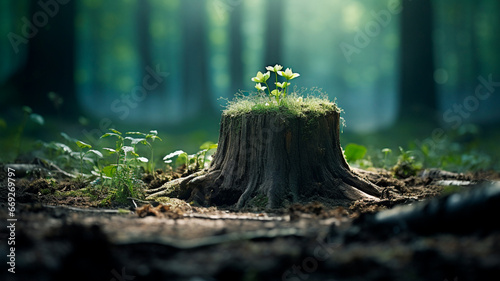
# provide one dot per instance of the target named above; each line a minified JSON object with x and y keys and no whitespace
{"x":260,"y":87}
{"x":274,"y":68}
{"x":300,"y":99}
{"x":288,"y":74}
{"x":261,"y":77}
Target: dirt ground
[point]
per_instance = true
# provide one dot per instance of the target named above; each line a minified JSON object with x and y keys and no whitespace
{"x":70,"y":239}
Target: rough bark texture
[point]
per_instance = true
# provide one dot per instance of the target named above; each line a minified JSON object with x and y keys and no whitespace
{"x":271,"y":160}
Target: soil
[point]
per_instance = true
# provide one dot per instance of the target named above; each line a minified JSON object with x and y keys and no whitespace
{"x":70,"y":238}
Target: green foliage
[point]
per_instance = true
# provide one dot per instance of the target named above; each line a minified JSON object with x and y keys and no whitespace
{"x":194,"y":162}
{"x":406,"y":165}
{"x":147,"y":140}
{"x":354,"y":152}
{"x":85,"y":149}
{"x":124,"y":173}
{"x":281,"y":90}
{"x":457,"y":150}
{"x":27,"y":115}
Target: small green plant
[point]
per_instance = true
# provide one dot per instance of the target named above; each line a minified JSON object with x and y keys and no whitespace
{"x":386,"y":152}
{"x":406,"y":165}
{"x":28,"y":115}
{"x":281,"y":90}
{"x":123,"y":173}
{"x":192,"y":162}
{"x":85,"y":149}
{"x":147,"y":140}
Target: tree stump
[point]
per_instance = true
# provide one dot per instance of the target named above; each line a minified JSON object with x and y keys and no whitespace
{"x":272,"y":160}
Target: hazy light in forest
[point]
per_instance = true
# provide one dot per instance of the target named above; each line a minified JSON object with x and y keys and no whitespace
{"x":352,"y":14}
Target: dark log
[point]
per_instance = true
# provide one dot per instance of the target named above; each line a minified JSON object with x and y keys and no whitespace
{"x":273,"y":159}
{"x":458,"y":213}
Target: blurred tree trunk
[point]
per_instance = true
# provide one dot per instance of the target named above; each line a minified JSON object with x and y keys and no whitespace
{"x":195,"y":67}
{"x":50,"y":61}
{"x":417,"y":88}
{"x":274,"y":32}
{"x":145,"y":40}
{"x":236,"y":59}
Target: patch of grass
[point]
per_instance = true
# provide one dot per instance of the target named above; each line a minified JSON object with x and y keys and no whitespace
{"x":315,"y":103}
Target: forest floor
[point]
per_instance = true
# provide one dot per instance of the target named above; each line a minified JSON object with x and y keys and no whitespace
{"x":70,"y":238}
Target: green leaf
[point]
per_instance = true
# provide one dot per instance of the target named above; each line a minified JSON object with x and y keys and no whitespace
{"x":208,"y":145}
{"x":27,"y":109}
{"x":127,"y":149}
{"x":63,"y":147}
{"x":115,"y":131}
{"x":68,"y":138}
{"x":109,"y":171}
{"x":37,"y":119}
{"x":75,"y":154}
{"x":143,"y":159}
{"x":173,"y":154}
{"x":88,"y":159}
{"x":182,"y":159}
{"x":81,"y":144}
{"x":134,"y":141}
{"x":354,"y":152}
{"x":153,"y":136}
{"x":96,"y":152}
{"x":135,"y":133}
{"x":110,"y":150}
{"x":111,"y":134}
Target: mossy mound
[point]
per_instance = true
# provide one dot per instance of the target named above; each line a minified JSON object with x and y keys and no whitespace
{"x":311,"y":103}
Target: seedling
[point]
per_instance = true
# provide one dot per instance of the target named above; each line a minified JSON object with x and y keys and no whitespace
{"x":406,"y":165}
{"x":28,"y":115}
{"x":386,"y":152}
{"x":192,"y":162}
{"x":148,"y":140}
{"x":85,"y":149}
{"x":122,"y":173}
{"x":281,"y":90}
